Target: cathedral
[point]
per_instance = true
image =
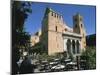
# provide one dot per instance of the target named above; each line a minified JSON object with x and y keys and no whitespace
{"x":56,"y":37}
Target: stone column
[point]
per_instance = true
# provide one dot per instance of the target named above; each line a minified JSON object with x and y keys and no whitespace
{"x":71,"y":48}
{"x":65,"y":44}
{"x":79,"y":47}
{"x":75,"y":47}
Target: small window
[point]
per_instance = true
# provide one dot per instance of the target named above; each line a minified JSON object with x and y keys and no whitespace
{"x":80,"y":19}
{"x":81,"y":25}
{"x":75,"y":19}
{"x":65,"y":29}
{"x":76,"y":26}
{"x":52,"y":13}
{"x":56,"y":28}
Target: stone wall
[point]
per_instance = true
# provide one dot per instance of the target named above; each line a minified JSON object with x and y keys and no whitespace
{"x":53,"y":28}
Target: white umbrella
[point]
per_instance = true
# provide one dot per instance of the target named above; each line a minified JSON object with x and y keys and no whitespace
{"x":71,"y":63}
{"x":51,"y":63}
{"x":53,"y":67}
{"x":56,"y":59}
{"x":62,"y":66}
{"x":66,"y":60}
{"x":58,"y":67}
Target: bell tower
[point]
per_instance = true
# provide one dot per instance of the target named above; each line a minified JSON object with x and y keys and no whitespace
{"x":52,"y":32}
{"x":78,"y":27}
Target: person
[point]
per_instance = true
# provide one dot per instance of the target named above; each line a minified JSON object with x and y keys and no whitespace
{"x":26,"y":66}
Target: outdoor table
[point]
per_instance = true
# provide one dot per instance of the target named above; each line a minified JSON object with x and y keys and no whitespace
{"x":58,"y":67}
{"x":67,"y":60}
{"x":71,"y":65}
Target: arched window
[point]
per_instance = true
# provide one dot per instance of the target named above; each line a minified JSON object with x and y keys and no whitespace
{"x":73,"y":46}
{"x":56,"y":28}
{"x":65,"y":29}
{"x":69,"y":46}
{"x":80,"y":19}
{"x":81,"y":25}
{"x":78,"y":47}
{"x":52,"y":13}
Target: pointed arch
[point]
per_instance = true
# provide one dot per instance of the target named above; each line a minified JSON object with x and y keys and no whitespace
{"x":73,"y":46}
{"x":69,"y":45}
{"x":78,"y":46}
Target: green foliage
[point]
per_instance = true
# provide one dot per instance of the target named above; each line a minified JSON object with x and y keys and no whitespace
{"x":20,"y":38}
{"x":38,"y":48}
{"x":90,"y":56}
{"x":43,"y":56}
{"x":20,"y":11}
{"x":55,"y":56}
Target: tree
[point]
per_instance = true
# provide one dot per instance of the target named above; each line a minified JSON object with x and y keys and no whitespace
{"x":89,"y":55}
{"x":20,"y":38}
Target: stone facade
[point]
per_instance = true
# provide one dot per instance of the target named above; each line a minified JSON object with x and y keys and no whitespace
{"x":36,"y":38}
{"x":57,"y":37}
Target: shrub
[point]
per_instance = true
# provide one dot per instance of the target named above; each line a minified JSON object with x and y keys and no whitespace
{"x":90,"y":56}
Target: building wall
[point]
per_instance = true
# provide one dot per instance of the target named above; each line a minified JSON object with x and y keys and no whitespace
{"x":53,"y":28}
{"x":35,"y":38}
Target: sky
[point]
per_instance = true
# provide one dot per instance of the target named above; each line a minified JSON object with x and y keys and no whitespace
{"x":33,"y":22}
